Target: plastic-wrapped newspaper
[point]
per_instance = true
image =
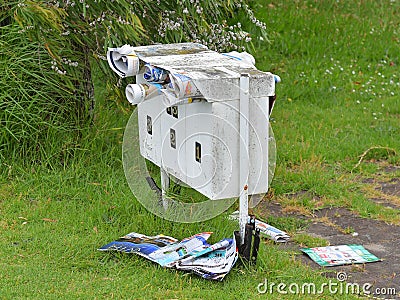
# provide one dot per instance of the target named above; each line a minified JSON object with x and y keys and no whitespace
{"x":192,"y":254}
{"x":169,"y":255}
{"x":267,"y":230}
{"x":213,"y":262}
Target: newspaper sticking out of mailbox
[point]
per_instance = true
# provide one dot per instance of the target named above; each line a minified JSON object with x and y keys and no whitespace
{"x":267,"y":230}
{"x":192,"y":254}
{"x":194,"y":71}
{"x":123,"y":61}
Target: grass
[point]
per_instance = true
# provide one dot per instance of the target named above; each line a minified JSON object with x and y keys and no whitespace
{"x":305,"y":240}
{"x":339,"y":97}
{"x":35,"y":109}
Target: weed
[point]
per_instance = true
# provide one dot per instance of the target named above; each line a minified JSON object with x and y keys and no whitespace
{"x":306,"y":240}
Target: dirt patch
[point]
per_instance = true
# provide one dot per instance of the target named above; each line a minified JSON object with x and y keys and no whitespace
{"x":341,"y":226}
{"x":392,"y":187}
{"x":381,"y":239}
{"x":385,"y":193}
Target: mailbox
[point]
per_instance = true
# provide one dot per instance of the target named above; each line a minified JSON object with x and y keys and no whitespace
{"x":196,"y":136}
{"x":203,"y":117}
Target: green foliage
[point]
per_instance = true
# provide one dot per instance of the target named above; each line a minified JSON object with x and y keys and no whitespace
{"x":211,"y":23}
{"x":37,"y":108}
{"x":49,"y":50}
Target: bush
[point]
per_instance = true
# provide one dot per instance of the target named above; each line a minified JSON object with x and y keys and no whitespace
{"x":49,"y":49}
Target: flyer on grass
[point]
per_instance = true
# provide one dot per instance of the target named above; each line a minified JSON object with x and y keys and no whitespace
{"x":340,"y":255}
{"x":192,"y":254}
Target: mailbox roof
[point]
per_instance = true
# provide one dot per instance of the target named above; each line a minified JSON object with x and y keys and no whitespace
{"x":214,"y":74}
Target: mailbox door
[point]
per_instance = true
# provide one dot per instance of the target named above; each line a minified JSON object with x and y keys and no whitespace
{"x":173,"y":151}
{"x":200,"y":163}
{"x":149,"y":117}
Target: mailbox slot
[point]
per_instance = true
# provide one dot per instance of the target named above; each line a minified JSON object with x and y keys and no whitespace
{"x":197,"y":147}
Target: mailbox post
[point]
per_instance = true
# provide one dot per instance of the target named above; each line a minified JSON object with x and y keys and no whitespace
{"x":203,"y":117}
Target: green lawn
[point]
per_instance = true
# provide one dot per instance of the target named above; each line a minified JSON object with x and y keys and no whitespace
{"x":339,"y":97}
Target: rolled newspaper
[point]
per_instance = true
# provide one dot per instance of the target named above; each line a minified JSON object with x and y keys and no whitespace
{"x":123,"y":61}
{"x":180,"y":87}
{"x":136,"y":93}
{"x":269,"y":231}
{"x":154,"y":74}
{"x":183,"y":87}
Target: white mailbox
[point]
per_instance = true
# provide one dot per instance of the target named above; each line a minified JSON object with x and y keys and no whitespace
{"x":197,"y":138}
{"x":205,"y":120}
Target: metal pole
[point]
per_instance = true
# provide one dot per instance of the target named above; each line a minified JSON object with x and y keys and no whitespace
{"x":164,"y":186}
{"x":244,"y":98}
